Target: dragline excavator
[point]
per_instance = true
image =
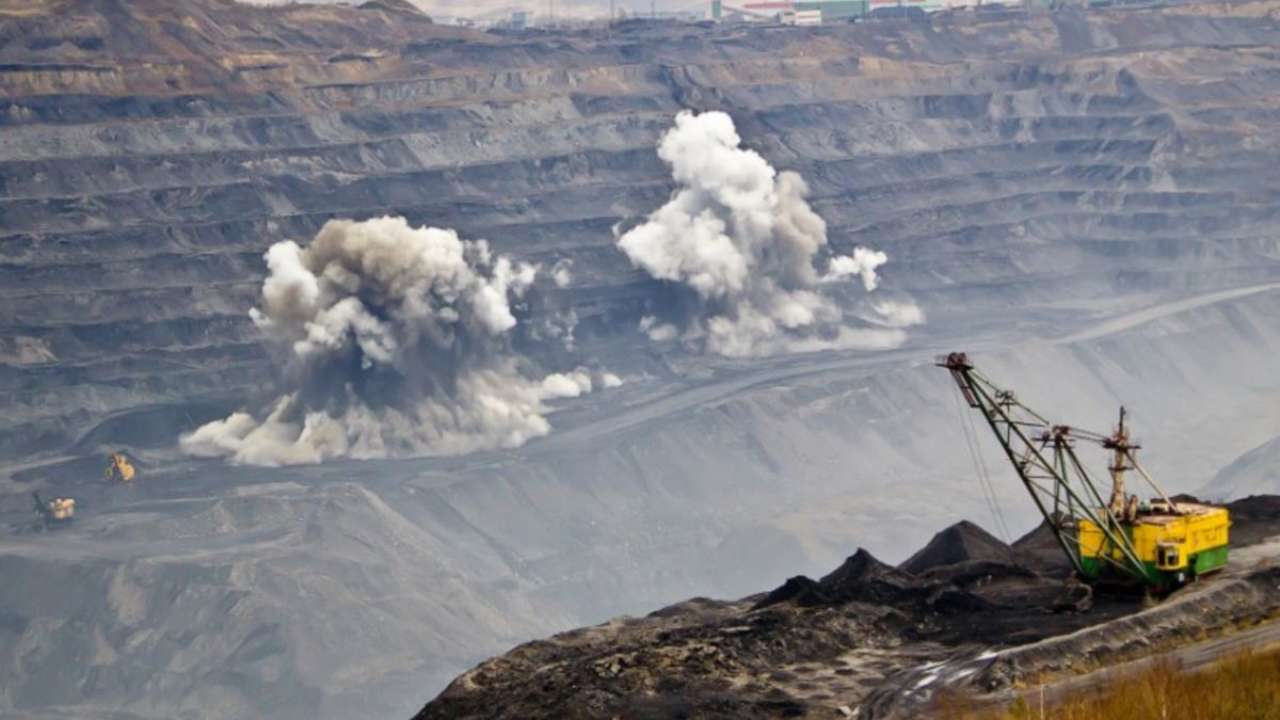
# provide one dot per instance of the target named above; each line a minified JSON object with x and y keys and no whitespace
{"x":55,"y":511}
{"x":1158,"y":544}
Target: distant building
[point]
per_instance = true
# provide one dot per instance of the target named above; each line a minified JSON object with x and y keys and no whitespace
{"x":769,"y":7}
{"x":519,"y":19}
{"x":898,"y":12}
{"x":809,"y":12}
{"x":815,"y":12}
{"x":833,"y":9}
{"x":878,"y":4}
{"x":960,"y":4}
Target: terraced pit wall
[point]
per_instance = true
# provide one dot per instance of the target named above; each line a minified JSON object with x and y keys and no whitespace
{"x":152,"y":153}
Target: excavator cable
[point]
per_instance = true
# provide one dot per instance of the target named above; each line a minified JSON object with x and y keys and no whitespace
{"x":986,"y":479}
{"x":980,"y":469}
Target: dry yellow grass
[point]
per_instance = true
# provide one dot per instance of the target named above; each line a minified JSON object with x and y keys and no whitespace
{"x":1246,"y":687}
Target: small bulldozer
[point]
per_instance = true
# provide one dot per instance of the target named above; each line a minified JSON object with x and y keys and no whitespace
{"x":119,"y":469}
{"x":56,"y":511}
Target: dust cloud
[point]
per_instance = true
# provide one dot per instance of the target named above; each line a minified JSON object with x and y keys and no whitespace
{"x":740,"y":246}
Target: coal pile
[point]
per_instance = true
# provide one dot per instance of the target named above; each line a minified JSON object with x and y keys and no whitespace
{"x":1254,"y":518}
{"x":861,"y":577}
{"x":1041,"y":550}
{"x":960,"y":543}
{"x":962,"y":571}
{"x":791,"y":652}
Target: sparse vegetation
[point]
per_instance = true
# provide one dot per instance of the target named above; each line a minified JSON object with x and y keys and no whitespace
{"x":1246,"y":687}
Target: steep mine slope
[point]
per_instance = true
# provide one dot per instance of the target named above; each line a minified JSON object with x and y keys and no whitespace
{"x":1084,"y":200}
{"x":1257,"y":470}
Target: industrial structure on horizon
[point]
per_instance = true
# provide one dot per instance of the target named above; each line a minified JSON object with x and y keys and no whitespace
{"x":786,"y":12}
{"x":816,"y":12}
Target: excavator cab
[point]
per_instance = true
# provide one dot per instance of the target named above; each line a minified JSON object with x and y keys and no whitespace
{"x":119,"y":469}
{"x":1168,"y":557}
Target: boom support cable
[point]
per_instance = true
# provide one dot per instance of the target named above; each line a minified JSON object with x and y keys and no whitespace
{"x":970,"y":432}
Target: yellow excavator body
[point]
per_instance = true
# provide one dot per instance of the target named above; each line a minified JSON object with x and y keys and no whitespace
{"x":62,"y":508}
{"x":119,"y":468}
{"x":1173,"y":547}
{"x":57,"y":509}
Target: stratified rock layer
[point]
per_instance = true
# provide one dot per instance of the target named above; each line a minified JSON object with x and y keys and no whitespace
{"x":153,"y":151}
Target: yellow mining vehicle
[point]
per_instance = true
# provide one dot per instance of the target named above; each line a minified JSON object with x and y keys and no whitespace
{"x":57,"y":510}
{"x":119,"y":469}
{"x":1159,"y":544}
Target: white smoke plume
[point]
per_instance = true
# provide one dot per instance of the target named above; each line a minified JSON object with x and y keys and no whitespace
{"x":741,"y":237}
{"x":897,"y":314}
{"x":562,"y":273}
{"x":395,"y":341}
{"x":558,"y":325}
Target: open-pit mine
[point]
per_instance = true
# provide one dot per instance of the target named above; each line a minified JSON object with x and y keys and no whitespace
{"x":420,"y":342}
